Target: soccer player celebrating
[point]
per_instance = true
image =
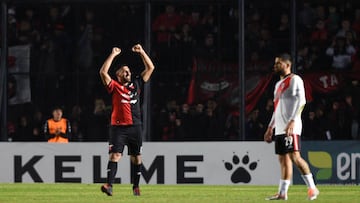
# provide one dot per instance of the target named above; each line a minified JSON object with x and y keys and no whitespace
{"x":125,"y":117}
{"x":289,"y":101}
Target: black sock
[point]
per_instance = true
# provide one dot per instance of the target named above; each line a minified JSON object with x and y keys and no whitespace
{"x":136,"y":174}
{"x":111,"y":172}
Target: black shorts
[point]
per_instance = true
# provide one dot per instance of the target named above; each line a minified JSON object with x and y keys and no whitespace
{"x":125,"y":135}
{"x":285,"y":144}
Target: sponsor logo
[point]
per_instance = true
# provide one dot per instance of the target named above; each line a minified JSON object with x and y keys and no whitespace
{"x":240,"y":169}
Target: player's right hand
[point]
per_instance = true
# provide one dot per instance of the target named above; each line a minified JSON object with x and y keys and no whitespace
{"x":116,"y":50}
{"x":268,"y":135}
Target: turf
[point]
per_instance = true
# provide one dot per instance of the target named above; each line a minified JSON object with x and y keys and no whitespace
{"x":52,"y":193}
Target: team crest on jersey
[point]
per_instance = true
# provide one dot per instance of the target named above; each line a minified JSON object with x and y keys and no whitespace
{"x":282,"y":85}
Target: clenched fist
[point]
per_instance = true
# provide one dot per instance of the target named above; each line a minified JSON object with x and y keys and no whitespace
{"x":116,"y":50}
{"x":137,"y":48}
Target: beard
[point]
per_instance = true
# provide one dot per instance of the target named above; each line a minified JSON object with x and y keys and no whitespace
{"x":127,"y":78}
{"x":124,"y":79}
{"x":279,"y":71}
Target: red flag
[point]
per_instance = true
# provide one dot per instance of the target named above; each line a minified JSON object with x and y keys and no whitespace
{"x":254,"y":95}
{"x":191,"y":90}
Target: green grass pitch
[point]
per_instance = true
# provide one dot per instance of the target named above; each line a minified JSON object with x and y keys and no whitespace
{"x":88,"y":193}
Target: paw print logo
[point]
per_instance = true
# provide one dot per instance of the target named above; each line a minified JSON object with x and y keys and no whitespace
{"x":240,"y":174}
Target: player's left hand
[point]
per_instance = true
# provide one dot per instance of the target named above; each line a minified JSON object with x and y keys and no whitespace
{"x":137,"y":48}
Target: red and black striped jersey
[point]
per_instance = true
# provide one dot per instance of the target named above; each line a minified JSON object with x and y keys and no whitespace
{"x":125,"y":102}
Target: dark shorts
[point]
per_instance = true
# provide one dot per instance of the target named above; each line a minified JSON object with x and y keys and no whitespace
{"x":125,"y":135}
{"x":285,"y":144}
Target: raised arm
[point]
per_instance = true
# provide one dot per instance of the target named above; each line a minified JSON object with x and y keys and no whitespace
{"x":149,"y":66}
{"x":104,"y":70}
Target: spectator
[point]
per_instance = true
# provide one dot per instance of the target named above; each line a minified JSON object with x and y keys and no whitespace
{"x":164,"y":26}
{"x":24,"y":130}
{"x":322,"y":125}
{"x":98,"y":121}
{"x":320,"y":35}
{"x":282,"y":33}
{"x":229,"y":37}
{"x":350,"y":40}
{"x":12,"y":27}
{"x":27,"y":32}
{"x":265,"y":45}
{"x":341,"y":53}
{"x":76,"y":133}
{"x":208,"y":21}
{"x":38,"y":124}
{"x":304,"y":61}
{"x":356,"y":22}
{"x":76,"y":113}
{"x":199,"y":123}
{"x":320,"y":60}
{"x":57,"y":129}
{"x":309,"y":126}
{"x":54,"y":18}
{"x":169,"y":129}
{"x":208,"y":49}
{"x":255,"y":64}
{"x":183,"y":40}
{"x":351,"y":123}
{"x":346,"y":27}
{"x":215,"y":121}
{"x":356,"y":62}
{"x":336,"y":121}
{"x":232,"y":129}
{"x":306,"y":17}
{"x":184,"y":123}
{"x":84,"y":45}
{"x":252,"y":30}
{"x":193,"y":20}
{"x":320,"y":13}
{"x":254,"y":127}
{"x":333,"y":20}
{"x":167,"y":120}
{"x":266,"y":112}
{"x":11,"y":130}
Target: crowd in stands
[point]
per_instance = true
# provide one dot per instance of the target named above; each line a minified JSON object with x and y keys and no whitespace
{"x":69,"y":43}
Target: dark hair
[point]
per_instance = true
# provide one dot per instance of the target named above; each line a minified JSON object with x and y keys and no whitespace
{"x":122,"y":65}
{"x":285,"y":57}
{"x":57,"y":108}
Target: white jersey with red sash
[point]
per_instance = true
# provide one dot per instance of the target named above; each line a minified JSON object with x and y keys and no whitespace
{"x":289,"y":101}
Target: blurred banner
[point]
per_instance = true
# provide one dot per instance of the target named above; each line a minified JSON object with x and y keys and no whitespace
{"x":219,"y":81}
{"x":214,"y":80}
{"x":19,"y":91}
